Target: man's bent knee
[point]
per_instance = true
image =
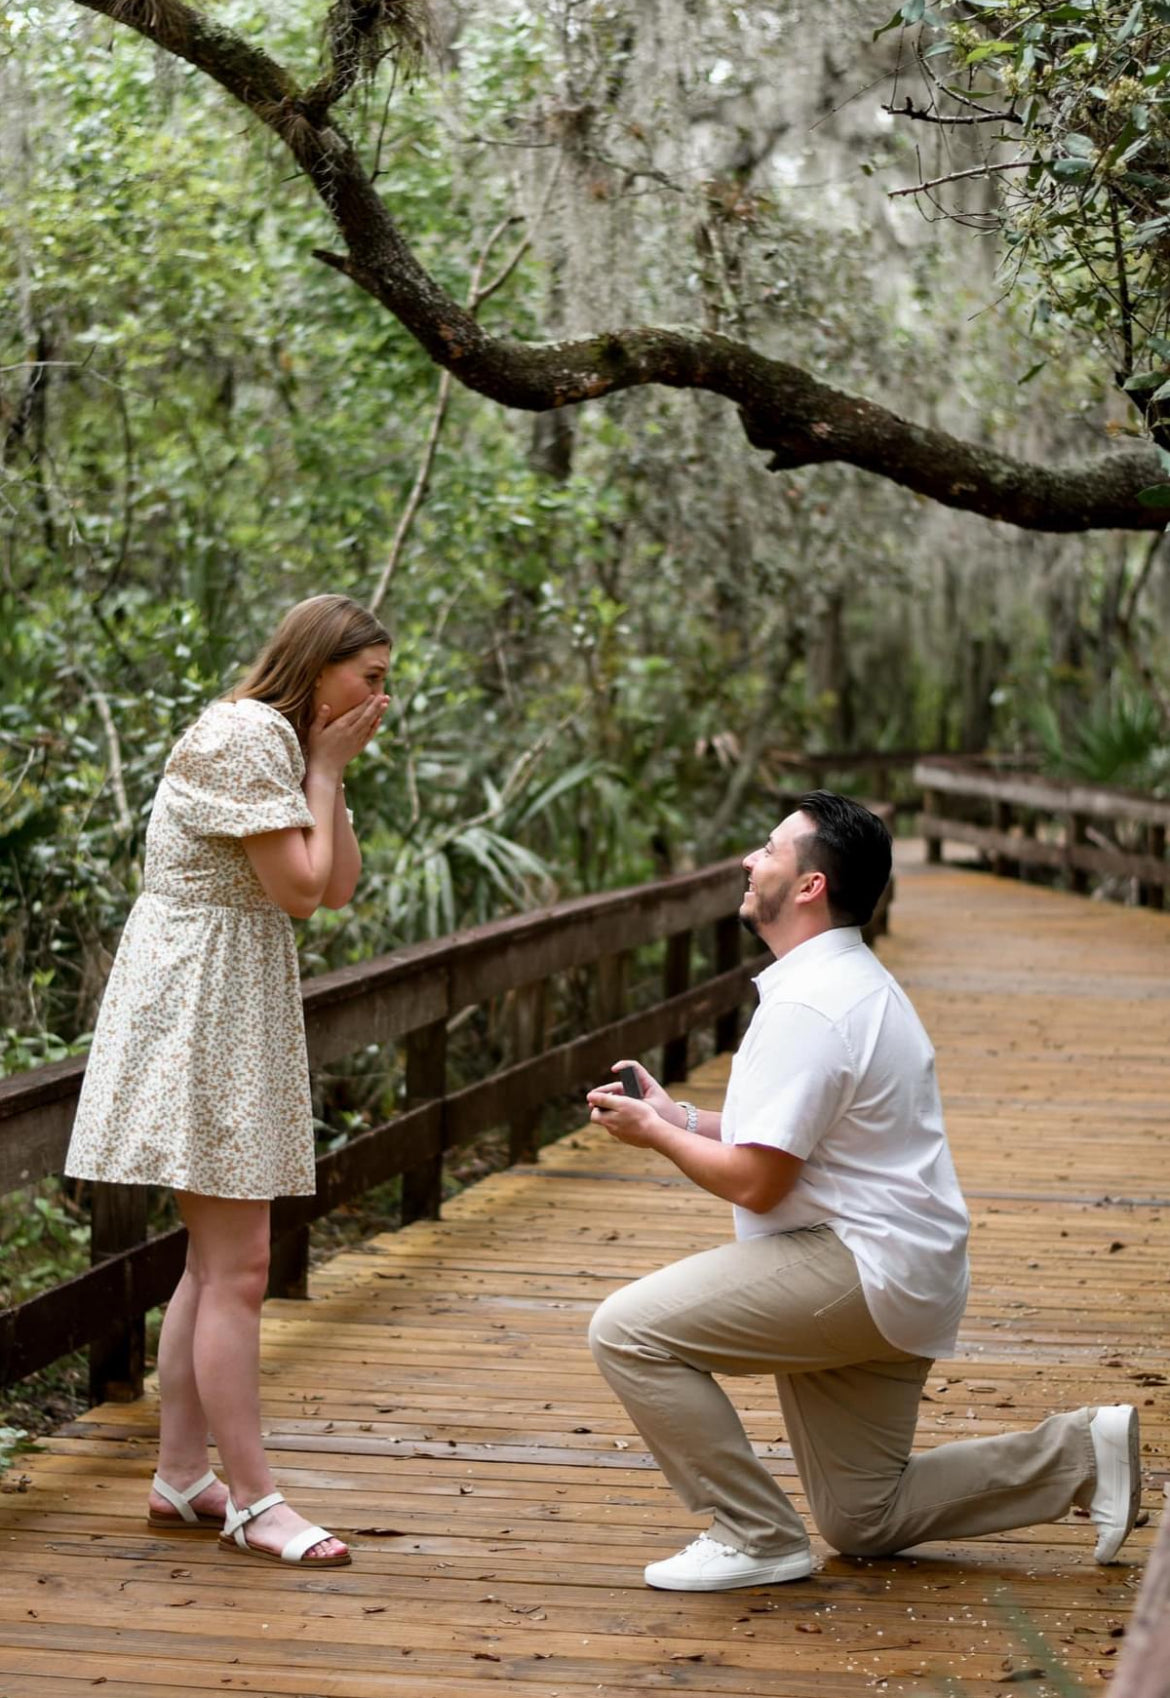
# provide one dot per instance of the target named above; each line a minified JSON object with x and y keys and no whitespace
{"x":607,"y":1329}
{"x":855,"y":1535}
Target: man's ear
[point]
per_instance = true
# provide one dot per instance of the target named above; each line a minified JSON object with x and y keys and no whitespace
{"x":813,"y":886}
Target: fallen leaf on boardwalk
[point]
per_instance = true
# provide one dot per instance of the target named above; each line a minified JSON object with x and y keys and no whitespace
{"x":379,"y":1532}
{"x":981,"y":1385}
{"x":1144,"y":1379}
{"x":466,"y":1491}
{"x":1022,"y":1674}
{"x":582,"y":1429}
{"x":181,"y":1604}
{"x":808,"y":1627}
{"x":688,"y":1656}
{"x":484,"y":1657}
{"x":1116,"y":1245}
{"x":180,"y":1574}
{"x":621,"y":1444}
{"x":373,"y":1609}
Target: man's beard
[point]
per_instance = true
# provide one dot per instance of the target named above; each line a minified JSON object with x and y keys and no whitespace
{"x":766,"y":914}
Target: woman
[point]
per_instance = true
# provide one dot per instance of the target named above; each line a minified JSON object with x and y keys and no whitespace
{"x":198,"y":1077}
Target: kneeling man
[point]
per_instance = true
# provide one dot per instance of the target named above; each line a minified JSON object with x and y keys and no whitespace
{"x":848,"y":1273}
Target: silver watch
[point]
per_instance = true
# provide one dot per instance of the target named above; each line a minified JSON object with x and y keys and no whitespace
{"x":692,"y":1124}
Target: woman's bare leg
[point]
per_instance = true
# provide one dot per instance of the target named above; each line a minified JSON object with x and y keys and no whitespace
{"x":229,"y":1240}
{"x":183,"y":1425}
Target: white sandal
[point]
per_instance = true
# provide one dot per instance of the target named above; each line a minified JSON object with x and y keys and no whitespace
{"x":187,"y":1519}
{"x":233,"y":1539}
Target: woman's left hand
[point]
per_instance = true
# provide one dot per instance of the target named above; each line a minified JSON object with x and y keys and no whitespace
{"x":627,"y":1118}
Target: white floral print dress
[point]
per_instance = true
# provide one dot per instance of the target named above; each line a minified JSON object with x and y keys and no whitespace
{"x":198,"y":1076}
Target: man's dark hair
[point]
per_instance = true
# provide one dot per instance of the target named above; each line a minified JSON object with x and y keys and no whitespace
{"x":852,"y":847}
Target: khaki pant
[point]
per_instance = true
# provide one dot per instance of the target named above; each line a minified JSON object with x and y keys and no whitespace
{"x":792,"y":1305}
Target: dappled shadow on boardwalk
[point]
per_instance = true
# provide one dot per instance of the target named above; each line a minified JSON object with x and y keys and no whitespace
{"x":435,"y":1401}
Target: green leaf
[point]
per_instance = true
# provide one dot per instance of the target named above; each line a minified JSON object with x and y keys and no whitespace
{"x":1031,"y":373}
{"x":991,"y":49}
{"x":1143,"y":380}
{"x":1080,"y":146}
{"x":1132,"y":23}
{"x":1156,"y":495}
{"x":1070,"y":167}
{"x":895,"y":22}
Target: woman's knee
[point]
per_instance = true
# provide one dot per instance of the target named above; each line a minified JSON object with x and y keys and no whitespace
{"x":229,"y":1250}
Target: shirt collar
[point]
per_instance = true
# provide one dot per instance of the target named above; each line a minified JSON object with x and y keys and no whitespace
{"x":838,"y":940}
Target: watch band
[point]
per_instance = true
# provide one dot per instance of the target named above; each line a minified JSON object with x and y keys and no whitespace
{"x":692,"y":1124}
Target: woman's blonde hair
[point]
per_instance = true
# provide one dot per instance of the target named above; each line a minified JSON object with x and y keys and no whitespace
{"x":312,"y":635}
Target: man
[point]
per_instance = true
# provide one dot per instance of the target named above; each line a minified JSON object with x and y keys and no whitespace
{"x":848,"y":1273}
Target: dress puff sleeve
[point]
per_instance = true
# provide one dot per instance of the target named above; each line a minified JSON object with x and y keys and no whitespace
{"x":238,"y":772}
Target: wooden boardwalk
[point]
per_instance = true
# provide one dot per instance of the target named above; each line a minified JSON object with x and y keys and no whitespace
{"x":436,"y":1403}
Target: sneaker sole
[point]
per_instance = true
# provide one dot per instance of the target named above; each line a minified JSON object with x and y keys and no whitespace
{"x":1108,"y":1546}
{"x":767,"y":1574}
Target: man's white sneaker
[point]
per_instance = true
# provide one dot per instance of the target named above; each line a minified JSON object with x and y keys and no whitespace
{"x":1117,"y":1494}
{"x":709,"y":1566}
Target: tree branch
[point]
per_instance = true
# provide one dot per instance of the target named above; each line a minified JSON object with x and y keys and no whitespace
{"x":960,"y":176}
{"x":920,"y":113}
{"x":786,"y":412}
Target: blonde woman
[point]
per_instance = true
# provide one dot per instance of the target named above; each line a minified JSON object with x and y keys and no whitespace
{"x":198,"y":1077}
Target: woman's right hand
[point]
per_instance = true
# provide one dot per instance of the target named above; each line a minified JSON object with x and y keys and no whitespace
{"x":333,"y":743}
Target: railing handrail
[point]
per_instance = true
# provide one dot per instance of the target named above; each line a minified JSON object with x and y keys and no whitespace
{"x":964,"y":776}
{"x":406,"y":989}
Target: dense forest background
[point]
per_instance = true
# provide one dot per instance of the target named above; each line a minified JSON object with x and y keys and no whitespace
{"x":610,"y":620}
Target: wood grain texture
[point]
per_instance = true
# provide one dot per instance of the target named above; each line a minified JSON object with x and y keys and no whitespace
{"x":435,"y":1402}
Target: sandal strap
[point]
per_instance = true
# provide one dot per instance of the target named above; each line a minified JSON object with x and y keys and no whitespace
{"x":182,"y":1500}
{"x":235,"y":1519}
{"x":304,"y":1541}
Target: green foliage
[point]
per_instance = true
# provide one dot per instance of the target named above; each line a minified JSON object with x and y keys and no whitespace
{"x":44,"y":1242}
{"x":1074,"y":104}
{"x":595,"y":648}
{"x":1121,"y":739}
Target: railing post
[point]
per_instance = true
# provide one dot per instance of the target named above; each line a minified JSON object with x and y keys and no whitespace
{"x":676,"y":978}
{"x":932,"y":810}
{"x":117,"y":1360}
{"x":528,"y":1017}
{"x":426,"y":1081}
{"x":728,"y":942}
{"x":1154,"y":895}
{"x":612,"y":973}
{"x":1001,"y":819}
{"x":1076,"y":833}
{"x":288,"y":1264}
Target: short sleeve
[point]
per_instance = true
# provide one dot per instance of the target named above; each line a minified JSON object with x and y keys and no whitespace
{"x":237,"y":772}
{"x":797,"y":1081}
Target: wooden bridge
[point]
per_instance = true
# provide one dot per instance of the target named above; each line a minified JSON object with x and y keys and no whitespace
{"x":434,"y":1401}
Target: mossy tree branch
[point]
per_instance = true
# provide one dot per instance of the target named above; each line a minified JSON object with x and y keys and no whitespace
{"x":786,"y":412}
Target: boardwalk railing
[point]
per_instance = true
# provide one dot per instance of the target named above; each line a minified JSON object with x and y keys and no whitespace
{"x":1024,"y":822}
{"x":411,"y":995}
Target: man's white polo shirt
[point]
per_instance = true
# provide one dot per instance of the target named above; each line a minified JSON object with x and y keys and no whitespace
{"x":836,"y":1068}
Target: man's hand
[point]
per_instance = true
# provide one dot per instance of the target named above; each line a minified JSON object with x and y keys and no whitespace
{"x":652,"y":1092}
{"x":754,"y":1176}
{"x":628,"y":1119}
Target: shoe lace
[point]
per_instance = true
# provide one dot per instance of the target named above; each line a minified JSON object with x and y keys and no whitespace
{"x":705,"y":1543}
